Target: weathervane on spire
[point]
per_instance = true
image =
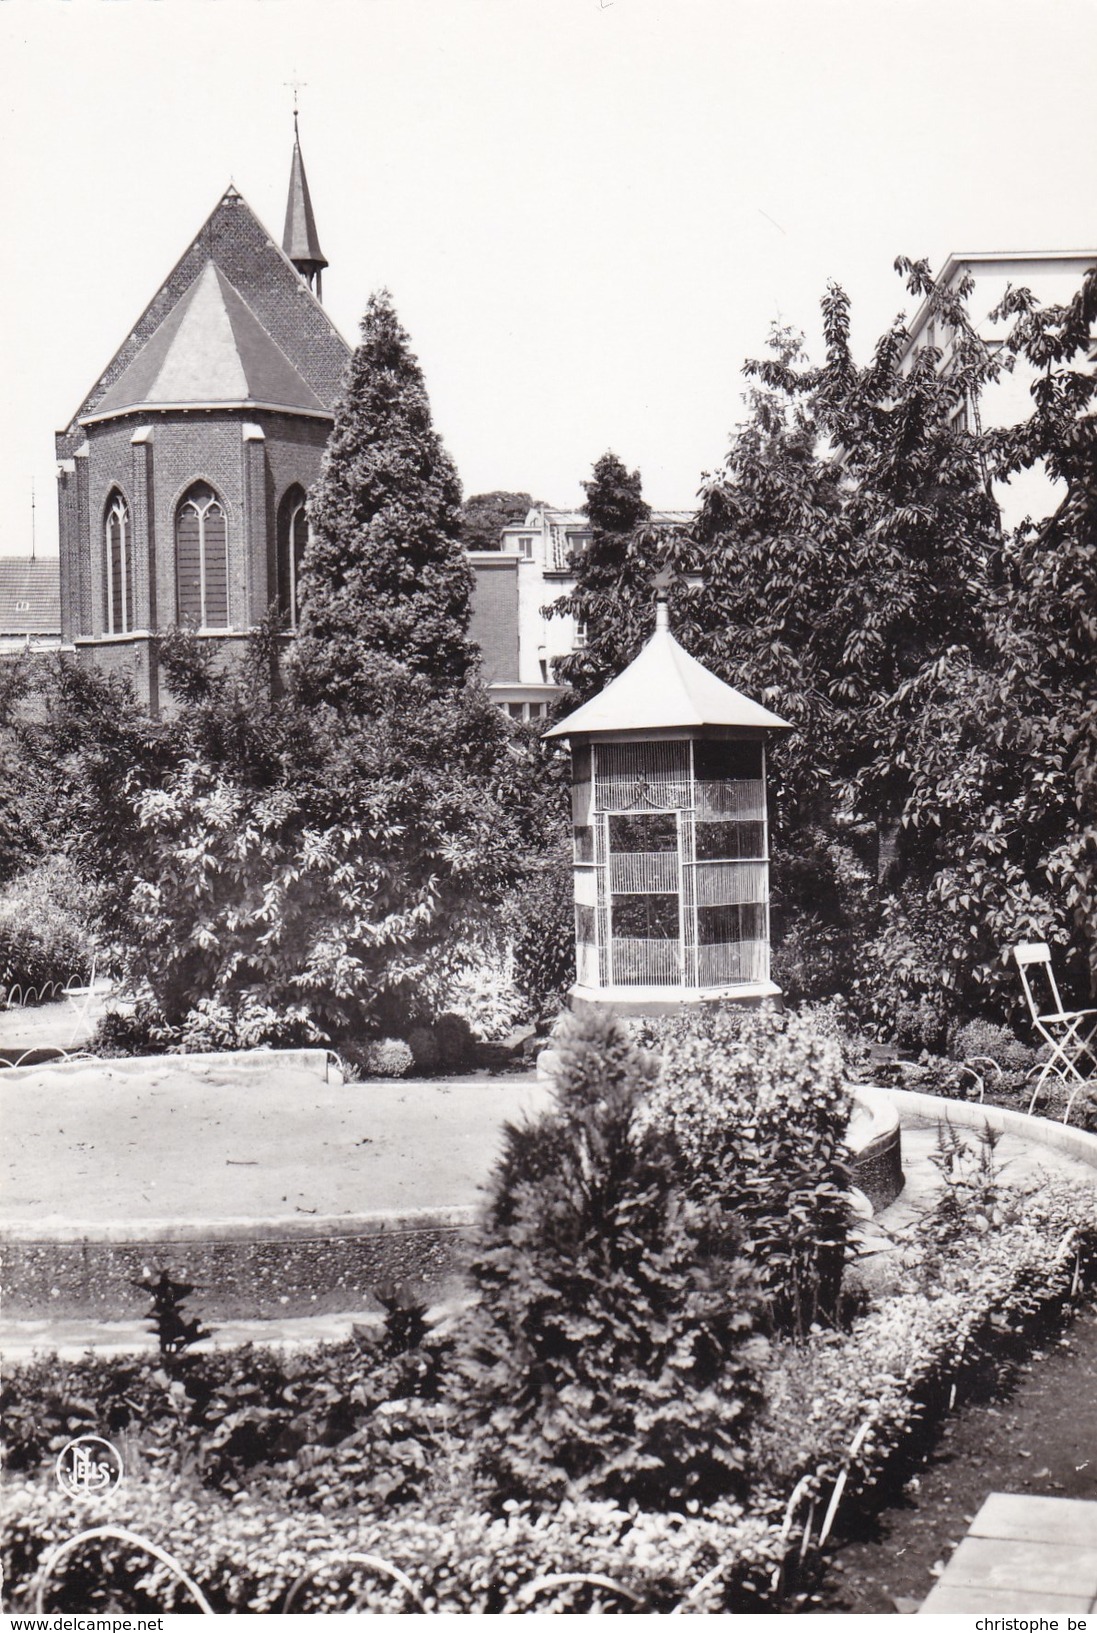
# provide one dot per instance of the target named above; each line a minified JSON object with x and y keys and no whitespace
{"x":295,"y":85}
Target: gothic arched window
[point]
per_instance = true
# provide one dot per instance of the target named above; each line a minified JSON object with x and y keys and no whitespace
{"x":293,"y":535}
{"x":201,"y":559}
{"x":118,"y":553}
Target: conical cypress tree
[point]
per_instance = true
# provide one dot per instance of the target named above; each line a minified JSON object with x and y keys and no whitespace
{"x":609,"y":1352}
{"x":385,"y":576}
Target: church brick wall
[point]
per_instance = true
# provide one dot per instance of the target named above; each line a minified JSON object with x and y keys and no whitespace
{"x":294,"y":453}
{"x":250,"y":472}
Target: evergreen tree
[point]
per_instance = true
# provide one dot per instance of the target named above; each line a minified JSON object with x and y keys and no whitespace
{"x":385,"y":577}
{"x":609,"y":1352}
{"x":613,"y":597}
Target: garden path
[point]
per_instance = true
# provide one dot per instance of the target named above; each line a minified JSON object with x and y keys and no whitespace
{"x":94,"y":1144}
{"x":1023,"y":1553}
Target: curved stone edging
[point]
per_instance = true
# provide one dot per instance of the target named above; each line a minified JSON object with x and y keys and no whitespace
{"x":876,"y":1151}
{"x":1072,"y":1142}
{"x":279,"y":1227}
{"x":313,"y":1060}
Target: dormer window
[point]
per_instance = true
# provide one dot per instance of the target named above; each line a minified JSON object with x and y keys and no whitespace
{"x":118,"y":554}
{"x":201,"y":560}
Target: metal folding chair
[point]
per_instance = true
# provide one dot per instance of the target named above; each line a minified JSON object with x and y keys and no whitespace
{"x":1070,"y":1034}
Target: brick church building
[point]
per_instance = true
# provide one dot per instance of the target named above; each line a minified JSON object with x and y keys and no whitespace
{"x":183,"y":473}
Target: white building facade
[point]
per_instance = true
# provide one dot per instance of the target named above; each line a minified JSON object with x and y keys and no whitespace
{"x":1054,"y":277}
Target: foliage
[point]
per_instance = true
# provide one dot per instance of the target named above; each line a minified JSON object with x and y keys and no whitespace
{"x":258,"y":854}
{"x":982,"y":1040}
{"x":46,"y":927}
{"x":425,"y":1049}
{"x":757,"y":1108}
{"x":247,"y":1555}
{"x":369,"y":1446}
{"x":608,"y":1352}
{"x":540,"y":914}
{"x":482,"y":988}
{"x":484,"y":516}
{"x":822,"y":908}
{"x":613,"y":594}
{"x":211,"y":1027}
{"x":382,"y":1057}
{"x":456,"y":1043}
{"x":847,"y":568}
{"x":894,"y":1369}
{"x":1000,"y":804}
{"x":385,"y":573}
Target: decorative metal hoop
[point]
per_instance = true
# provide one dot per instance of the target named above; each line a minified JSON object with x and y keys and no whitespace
{"x":530,"y":1590}
{"x":373,"y":1561}
{"x":135,"y":1541}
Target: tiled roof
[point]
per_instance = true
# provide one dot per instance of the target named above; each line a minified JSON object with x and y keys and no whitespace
{"x":211,"y":348}
{"x":30,"y":596}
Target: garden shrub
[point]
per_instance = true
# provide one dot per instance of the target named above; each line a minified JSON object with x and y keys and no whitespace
{"x":141,"y":1030}
{"x":960,"y":1294}
{"x":756,"y":1107}
{"x":382,"y":1057}
{"x":482,"y":990}
{"x":982,"y":1039}
{"x":426,"y":1051}
{"x":456,"y":1044}
{"x":540,"y":916}
{"x":608,"y":1353}
{"x":211,"y":1027}
{"x":901,"y":990}
{"x":247,"y":1554}
{"x":46,"y":932}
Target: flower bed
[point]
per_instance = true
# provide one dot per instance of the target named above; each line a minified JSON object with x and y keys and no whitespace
{"x":249,"y":1468}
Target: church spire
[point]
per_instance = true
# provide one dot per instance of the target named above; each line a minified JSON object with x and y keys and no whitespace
{"x":299,"y":238}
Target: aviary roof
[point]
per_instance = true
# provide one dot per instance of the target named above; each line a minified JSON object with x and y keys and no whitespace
{"x":210,"y":349}
{"x":30,"y":596}
{"x":664,"y":688}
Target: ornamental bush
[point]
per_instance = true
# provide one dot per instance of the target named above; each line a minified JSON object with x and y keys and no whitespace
{"x":755,"y":1107}
{"x":611,"y":1351}
{"x":45,"y":928}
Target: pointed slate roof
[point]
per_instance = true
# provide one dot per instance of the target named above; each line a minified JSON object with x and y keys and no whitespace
{"x":210,"y":349}
{"x":300,"y":239}
{"x":234,"y":239}
{"x":665,"y":688}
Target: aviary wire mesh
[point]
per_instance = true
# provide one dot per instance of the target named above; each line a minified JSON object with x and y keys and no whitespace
{"x":672,"y":873}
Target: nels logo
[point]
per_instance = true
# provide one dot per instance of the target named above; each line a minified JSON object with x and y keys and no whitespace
{"x":89,"y":1467}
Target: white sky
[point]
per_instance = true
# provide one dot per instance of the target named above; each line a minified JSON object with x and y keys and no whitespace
{"x":588,"y":211}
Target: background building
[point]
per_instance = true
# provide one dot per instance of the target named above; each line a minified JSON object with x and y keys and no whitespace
{"x":1054,"y":277}
{"x":520,"y":642}
{"x":30,"y":604}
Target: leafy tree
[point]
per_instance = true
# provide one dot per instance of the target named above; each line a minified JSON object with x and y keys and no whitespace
{"x":259,"y":852}
{"x":385,"y":573}
{"x":1002,"y":805}
{"x":608,"y":1353}
{"x":484,"y":516}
